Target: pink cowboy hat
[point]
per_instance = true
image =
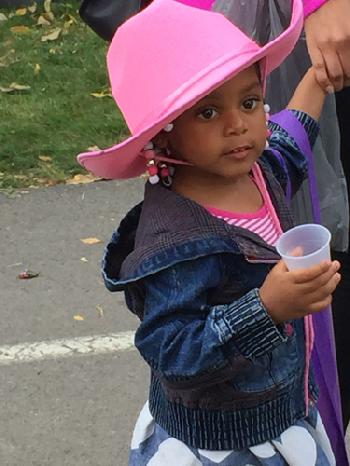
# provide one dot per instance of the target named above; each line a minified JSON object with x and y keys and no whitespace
{"x":166,"y":58}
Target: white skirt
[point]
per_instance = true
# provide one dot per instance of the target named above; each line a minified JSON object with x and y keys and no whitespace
{"x":303,"y":444}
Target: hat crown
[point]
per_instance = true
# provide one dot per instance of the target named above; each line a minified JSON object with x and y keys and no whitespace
{"x":156,"y":53}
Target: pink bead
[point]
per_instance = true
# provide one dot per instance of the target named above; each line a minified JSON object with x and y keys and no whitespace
{"x":152,"y":170}
{"x":164,"y":172}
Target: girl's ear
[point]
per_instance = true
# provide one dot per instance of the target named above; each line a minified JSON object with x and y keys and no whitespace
{"x":160,"y":141}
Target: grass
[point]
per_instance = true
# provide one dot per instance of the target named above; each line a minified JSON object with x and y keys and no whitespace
{"x":44,"y":127}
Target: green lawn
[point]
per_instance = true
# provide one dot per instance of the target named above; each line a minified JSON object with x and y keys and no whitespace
{"x":44,"y":127}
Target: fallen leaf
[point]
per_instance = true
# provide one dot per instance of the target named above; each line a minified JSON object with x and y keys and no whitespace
{"x":91,"y":241}
{"x":83,"y":259}
{"x":3,"y":17}
{"x":32,"y":8}
{"x":45,"y":158}
{"x":43,"y":22}
{"x":21,"y":12}
{"x":19,"y":87}
{"x":37,"y":69}
{"x":54,"y":35}
{"x":14,"y":87}
{"x":27,"y":274}
{"x":47,"y":5}
{"x":6,"y":90}
{"x":49,"y":16}
{"x":101,"y":94}
{"x":20,"y":29}
{"x":78,"y":317}
{"x":100,"y":311}
{"x":93,"y":148}
{"x":82,"y":179}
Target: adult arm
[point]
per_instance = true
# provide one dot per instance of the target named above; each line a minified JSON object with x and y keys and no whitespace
{"x":327,"y":28}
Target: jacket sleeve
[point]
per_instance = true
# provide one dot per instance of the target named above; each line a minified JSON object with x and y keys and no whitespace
{"x":182,"y":337}
{"x":293,"y":134}
{"x":310,"y":6}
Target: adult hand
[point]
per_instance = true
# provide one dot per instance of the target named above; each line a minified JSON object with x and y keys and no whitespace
{"x":328,"y":41}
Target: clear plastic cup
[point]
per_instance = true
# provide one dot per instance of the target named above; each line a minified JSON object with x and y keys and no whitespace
{"x":304,"y":246}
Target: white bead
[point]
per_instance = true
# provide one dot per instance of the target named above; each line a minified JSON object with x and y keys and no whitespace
{"x":169,"y":127}
{"x":267,"y":108}
{"x":154,"y":179}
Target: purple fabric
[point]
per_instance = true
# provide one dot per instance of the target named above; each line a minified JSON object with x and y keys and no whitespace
{"x":324,"y":355}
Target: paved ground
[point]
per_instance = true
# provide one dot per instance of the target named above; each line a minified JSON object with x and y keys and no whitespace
{"x":70,"y":411}
{"x":73,"y":410}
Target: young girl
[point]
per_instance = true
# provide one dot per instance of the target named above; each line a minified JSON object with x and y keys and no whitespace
{"x":226,"y":332}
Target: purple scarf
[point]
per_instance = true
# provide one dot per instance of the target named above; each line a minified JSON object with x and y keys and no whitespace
{"x":324,"y":355}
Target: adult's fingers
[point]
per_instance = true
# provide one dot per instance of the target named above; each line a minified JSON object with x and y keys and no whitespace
{"x":319,"y":65}
{"x":334,"y":68}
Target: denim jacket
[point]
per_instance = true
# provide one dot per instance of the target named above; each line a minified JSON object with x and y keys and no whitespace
{"x":223,"y":375}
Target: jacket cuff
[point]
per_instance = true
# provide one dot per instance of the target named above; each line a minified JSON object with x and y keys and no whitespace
{"x":310,"y":6}
{"x":248,"y":324}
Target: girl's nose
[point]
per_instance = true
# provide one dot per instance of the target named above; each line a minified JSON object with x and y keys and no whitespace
{"x":235,"y":124}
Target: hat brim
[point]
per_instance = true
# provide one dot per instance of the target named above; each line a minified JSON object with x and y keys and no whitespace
{"x":125,"y":160}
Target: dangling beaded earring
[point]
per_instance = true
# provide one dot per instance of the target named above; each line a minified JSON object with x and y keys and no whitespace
{"x":166,"y":173}
{"x":151,"y":164}
{"x":267,"y":112}
{"x":153,"y":172}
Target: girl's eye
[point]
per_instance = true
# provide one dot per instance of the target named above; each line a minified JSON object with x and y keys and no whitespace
{"x":208,"y":114}
{"x":251,"y":104}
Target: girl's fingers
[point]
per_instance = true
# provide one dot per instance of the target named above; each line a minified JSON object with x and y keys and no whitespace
{"x":306,"y":275}
{"x":318,"y":293}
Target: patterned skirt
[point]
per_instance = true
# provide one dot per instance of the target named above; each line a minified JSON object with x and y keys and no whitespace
{"x":303,"y":444}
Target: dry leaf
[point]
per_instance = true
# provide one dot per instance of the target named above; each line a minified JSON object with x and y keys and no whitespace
{"x":78,"y":317}
{"x":3,"y":17}
{"x":100,"y":311}
{"x":37,"y":69}
{"x":101,"y":94}
{"x":45,"y":158}
{"x":21,"y":12}
{"x":43,"y":22}
{"x":47,"y":6}
{"x":49,"y":16}
{"x":19,"y":29}
{"x":93,"y":148}
{"x":14,"y":87}
{"x":27,"y":274}
{"x":83,"y":259}
{"x":32,"y":8}
{"x":91,"y":241}
{"x":6,"y":90}
{"x":54,"y":35}
{"x":82,"y":179}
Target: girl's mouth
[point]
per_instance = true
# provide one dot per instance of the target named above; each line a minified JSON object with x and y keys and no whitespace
{"x":239,"y":152}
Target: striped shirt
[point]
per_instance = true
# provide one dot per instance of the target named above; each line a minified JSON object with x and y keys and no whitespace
{"x":263,"y":222}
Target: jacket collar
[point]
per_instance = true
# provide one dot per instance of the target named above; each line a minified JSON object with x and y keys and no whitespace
{"x":169,"y":228}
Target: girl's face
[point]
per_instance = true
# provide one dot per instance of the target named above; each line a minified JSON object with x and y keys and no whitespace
{"x":225,"y":132}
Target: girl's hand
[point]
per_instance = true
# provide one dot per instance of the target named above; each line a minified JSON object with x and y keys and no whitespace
{"x":328,"y":41}
{"x":293,"y":294}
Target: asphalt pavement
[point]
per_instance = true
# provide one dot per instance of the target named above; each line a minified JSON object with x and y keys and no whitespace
{"x":77,"y":410}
